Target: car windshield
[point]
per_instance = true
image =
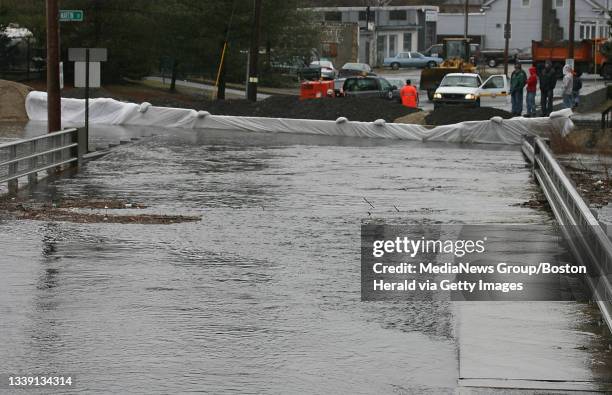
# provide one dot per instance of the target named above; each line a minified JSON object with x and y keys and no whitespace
{"x":355,"y":66}
{"x":460,"y":80}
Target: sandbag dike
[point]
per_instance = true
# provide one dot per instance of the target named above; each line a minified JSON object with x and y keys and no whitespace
{"x":112,"y":112}
{"x":13,"y":101}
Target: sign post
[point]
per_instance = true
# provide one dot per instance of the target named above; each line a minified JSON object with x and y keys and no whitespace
{"x":87,"y":74}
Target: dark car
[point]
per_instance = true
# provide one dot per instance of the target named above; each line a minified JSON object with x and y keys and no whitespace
{"x":355,"y":69}
{"x":370,"y":86}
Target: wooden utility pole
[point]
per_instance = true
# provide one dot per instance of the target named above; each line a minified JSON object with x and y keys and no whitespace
{"x":254,"y":53}
{"x":507,"y":34}
{"x":572,"y":23}
{"x":467,"y":10}
{"x":54,"y":110}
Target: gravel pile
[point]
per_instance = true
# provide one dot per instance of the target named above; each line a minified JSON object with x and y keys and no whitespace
{"x":354,"y":109}
{"x":449,"y":115}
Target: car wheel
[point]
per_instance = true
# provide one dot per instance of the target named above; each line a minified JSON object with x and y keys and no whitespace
{"x":492,"y":62}
{"x":431,"y":65}
{"x":390,"y":95}
{"x":395,"y":66}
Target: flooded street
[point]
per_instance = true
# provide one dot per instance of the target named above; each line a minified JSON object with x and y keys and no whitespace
{"x":263,"y":294}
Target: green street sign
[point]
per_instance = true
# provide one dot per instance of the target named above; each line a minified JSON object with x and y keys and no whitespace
{"x":71,"y":15}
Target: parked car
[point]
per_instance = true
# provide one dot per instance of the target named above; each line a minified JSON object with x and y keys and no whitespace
{"x":370,"y":86}
{"x":411,"y":59}
{"x":434,"y":51}
{"x":327,"y":69}
{"x":467,"y":89}
{"x":523,"y":55}
{"x":290,"y":65}
{"x":494,"y":57}
{"x":437,"y":50}
{"x":354,"y":69}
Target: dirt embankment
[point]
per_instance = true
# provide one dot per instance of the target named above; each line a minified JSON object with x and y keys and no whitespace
{"x":12,"y":101}
{"x":449,"y":115}
{"x":354,"y":109}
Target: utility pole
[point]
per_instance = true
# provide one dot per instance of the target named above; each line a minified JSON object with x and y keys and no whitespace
{"x":54,"y":111}
{"x":572,"y":23}
{"x":507,"y":34}
{"x":254,"y":52}
{"x":467,"y":10}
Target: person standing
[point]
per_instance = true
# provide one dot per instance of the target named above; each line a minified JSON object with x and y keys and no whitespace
{"x":568,"y":86}
{"x":409,"y":95}
{"x":548,"y":81}
{"x":532,"y":86}
{"x":518,"y":79}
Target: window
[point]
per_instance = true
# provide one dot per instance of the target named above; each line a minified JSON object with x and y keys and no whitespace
{"x":587,"y":30}
{"x":558,"y":3}
{"x":404,"y":55}
{"x":384,"y":85}
{"x":362,"y":16}
{"x":415,"y":55}
{"x":367,"y":84}
{"x":335,"y":16}
{"x":397,"y":15}
{"x":494,"y":83}
{"x":407,"y":42}
{"x":392,"y":40}
{"x":526,"y":3}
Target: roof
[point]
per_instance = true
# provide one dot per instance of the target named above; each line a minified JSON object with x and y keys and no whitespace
{"x":365,"y":3}
{"x":463,"y":74}
{"x":593,"y":4}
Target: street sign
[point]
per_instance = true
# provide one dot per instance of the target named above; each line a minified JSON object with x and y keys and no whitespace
{"x":431,"y":16}
{"x":71,"y":15}
{"x":95,"y":54}
{"x":80,"y":75}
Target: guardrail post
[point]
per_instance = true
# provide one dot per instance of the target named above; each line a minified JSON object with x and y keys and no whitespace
{"x":33,"y":178}
{"x":536,"y":152}
{"x":81,"y":136}
{"x":13,"y":185}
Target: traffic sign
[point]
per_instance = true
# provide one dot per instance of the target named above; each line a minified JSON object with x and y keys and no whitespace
{"x":71,"y":15}
{"x":95,"y":54}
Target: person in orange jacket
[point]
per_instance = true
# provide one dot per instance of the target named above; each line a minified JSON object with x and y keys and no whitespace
{"x":409,"y":95}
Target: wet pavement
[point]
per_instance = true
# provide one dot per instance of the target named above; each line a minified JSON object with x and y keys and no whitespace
{"x":263,"y":294}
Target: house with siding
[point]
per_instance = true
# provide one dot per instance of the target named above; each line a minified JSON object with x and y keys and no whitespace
{"x":387,"y":29}
{"x":530,"y":20}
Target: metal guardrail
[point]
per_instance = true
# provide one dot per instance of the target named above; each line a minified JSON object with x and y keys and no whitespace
{"x":588,"y":241}
{"x":27,"y":157}
{"x":606,"y":119}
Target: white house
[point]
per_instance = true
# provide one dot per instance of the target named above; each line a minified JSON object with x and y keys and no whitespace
{"x":530,"y":20}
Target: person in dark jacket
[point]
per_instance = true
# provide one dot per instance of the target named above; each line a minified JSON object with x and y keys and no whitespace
{"x":518,"y":79}
{"x":548,"y":81}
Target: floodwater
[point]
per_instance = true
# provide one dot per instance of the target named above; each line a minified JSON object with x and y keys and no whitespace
{"x":263,"y":294}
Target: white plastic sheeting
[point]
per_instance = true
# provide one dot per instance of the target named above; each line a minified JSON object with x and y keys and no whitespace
{"x":113,"y":112}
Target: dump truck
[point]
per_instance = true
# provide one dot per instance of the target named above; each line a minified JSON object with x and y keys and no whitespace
{"x":587,"y":56}
{"x":457,"y":59}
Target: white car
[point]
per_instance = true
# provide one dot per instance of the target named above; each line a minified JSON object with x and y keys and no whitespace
{"x":467,"y":89}
{"x":327,"y":68}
